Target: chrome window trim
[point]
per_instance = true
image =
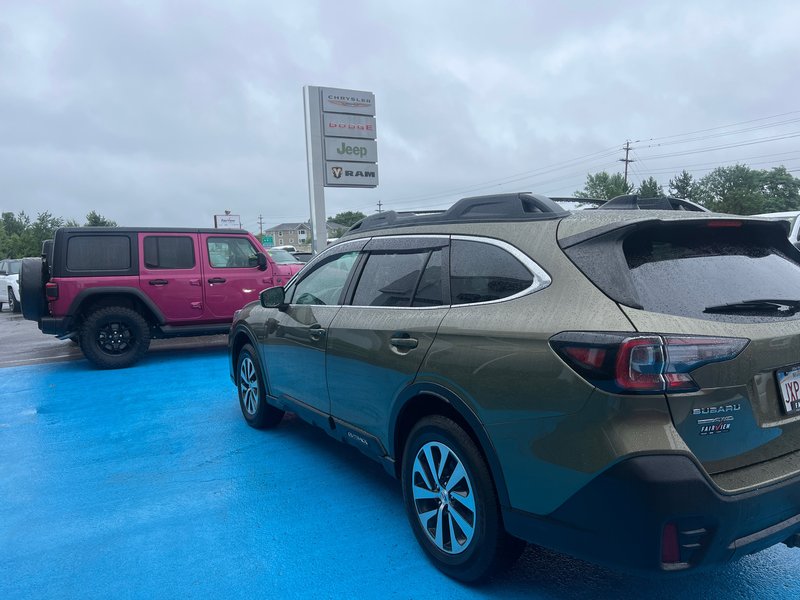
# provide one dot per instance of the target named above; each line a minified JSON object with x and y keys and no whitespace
{"x":541,"y":279}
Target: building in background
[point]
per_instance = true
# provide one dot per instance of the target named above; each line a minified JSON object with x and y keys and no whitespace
{"x":298,"y":234}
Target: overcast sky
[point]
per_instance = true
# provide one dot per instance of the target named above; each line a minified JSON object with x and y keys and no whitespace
{"x":166,"y":113}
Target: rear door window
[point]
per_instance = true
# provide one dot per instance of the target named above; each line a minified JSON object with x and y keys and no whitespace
{"x":393,"y":279}
{"x":169,"y":252}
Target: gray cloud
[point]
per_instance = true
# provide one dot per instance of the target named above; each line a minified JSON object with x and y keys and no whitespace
{"x":165,"y":113}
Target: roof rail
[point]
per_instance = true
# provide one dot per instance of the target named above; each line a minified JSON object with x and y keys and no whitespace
{"x":635,"y":202}
{"x":519,"y":206}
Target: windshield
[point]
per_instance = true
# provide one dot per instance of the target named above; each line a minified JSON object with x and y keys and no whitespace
{"x":282,"y":257}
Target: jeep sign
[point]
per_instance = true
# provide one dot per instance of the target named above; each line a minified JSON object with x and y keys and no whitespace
{"x":351,"y":150}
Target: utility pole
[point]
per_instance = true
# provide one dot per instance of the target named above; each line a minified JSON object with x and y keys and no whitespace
{"x":260,"y":226}
{"x":627,"y":160}
{"x":380,"y":204}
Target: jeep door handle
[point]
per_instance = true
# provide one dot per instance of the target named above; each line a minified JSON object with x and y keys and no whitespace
{"x":316,"y":333}
{"x":406,"y":342}
{"x":158,"y":282}
{"x":217,"y":280}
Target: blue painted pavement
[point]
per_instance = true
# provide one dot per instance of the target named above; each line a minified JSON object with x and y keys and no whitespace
{"x":146,"y":483}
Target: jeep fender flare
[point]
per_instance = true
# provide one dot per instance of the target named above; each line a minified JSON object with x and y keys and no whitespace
{"x":89,"y":294}
{"x":465,"y":412}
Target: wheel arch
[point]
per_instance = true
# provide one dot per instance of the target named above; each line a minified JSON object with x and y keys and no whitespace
{"x":239,"y":337}
{"x":94,"y":298}
{"x":423,"y":400}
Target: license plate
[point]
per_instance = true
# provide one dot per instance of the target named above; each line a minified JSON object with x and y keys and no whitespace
{"x":789,"y":384}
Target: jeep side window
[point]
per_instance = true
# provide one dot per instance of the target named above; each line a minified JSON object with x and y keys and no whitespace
{"x":231,"y":252}
{"x":392,"y":278}
{"x":324,"y":285}
{"x":98,"y":253}
{"x":169,"y":252}
{"x":481,"y":272}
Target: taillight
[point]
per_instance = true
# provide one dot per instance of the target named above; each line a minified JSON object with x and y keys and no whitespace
{"x":642,"y":364}
{"x":51,"y":291}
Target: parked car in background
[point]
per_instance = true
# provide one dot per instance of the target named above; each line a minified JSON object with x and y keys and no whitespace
{"x":303,"y":257}
{"x":283,"y":257}
{"x":791,"y":219}
{"x":113,"y":289}
{"x":9,"y":283}
{"x":597,"y":382}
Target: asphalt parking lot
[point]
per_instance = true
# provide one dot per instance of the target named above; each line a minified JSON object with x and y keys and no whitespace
{"x":146,"y":483}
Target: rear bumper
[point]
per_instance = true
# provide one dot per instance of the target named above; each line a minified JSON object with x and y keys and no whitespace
{"x":58,"y":326}
{"x":619,"y":518}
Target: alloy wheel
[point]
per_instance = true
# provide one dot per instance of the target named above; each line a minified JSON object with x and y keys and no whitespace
{"x":248,"y":385}
{"x":443,"y":498}
{"x":115,"y":337}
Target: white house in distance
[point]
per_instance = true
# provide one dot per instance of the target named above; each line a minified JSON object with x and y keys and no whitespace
{"x":298,"y":234}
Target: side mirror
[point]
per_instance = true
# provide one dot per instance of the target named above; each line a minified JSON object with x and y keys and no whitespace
{"x":262,"y":261}
{"x":274,"y":297}
{"x":3,"y":273}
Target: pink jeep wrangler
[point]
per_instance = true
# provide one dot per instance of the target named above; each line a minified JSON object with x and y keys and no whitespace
{"x":112,"y":289}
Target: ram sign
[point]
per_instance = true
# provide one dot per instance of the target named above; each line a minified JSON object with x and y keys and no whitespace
{"x":349,"y":174}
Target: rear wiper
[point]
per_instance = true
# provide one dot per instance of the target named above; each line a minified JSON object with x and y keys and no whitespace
{"x":768,"y":305}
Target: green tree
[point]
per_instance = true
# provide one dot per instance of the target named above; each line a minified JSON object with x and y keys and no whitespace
{"x":781,"y":190}
{"x":94,"y":219}
{"x":603,"y":186}
{"x":26,"y":237}
{"x":745,"y":191}
{"x":650,"y":188}
{"x":347,"y":218}
{"x":682,"y":186}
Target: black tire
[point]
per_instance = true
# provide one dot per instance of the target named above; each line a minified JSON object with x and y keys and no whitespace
{"x":114,"y":337}
{"x":32,"y":278}
{"x":13,"y":303}
{"x":252,"y":393}
{"x":466,"y":505}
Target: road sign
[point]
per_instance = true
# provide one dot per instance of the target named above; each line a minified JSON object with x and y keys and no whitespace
{"x":267,"y":240}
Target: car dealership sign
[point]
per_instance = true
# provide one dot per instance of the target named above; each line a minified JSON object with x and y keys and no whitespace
{"x":341,"y":146}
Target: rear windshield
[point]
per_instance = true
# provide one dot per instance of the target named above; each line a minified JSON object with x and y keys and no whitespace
{"x":722,"y":273}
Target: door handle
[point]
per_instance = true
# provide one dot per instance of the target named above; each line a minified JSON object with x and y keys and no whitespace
{"x":316,"y":333}
{"x":404,"y":342}
{"x":158,"y":282}
{"x":216,"y":280}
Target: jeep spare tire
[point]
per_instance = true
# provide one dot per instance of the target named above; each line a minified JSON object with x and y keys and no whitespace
{"x":114,"y":337}
{"x":31,"y":289}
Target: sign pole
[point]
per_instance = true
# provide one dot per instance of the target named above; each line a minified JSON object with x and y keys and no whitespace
{"x":316,"y":167}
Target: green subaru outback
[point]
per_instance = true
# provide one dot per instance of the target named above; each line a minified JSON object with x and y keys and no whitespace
{"x":619,"y":385}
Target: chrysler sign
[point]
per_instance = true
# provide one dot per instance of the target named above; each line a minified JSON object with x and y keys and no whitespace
{"x":351,"y":102}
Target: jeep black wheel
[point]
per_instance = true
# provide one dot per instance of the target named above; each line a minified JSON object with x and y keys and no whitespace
{"x":13,"y":303}
{"x":451,"y":502}
{"x":252,"y":395}
{"x":114,"y":337}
